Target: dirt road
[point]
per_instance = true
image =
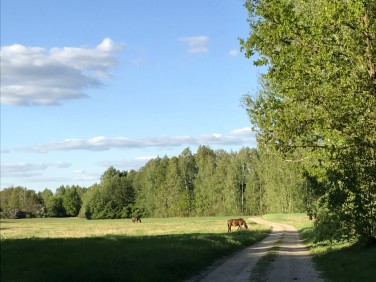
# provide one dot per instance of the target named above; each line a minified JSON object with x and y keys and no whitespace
{"x":292,"y":263}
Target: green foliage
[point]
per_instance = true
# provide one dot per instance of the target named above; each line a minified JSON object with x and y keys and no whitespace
{"x":149,"y":186}
{"x":219,"y":183}
{"x":206,"y":190}
{"x":22,"y":199}
{"x":284,"y":185}
{"x":72,"y":202}
{"x":55,"y":208}
{"x":66,"y":202}
{"x":319,"y":95}
{"x":48,"y":202}
{"x":112,"y":198}
{"x":330,"y":226}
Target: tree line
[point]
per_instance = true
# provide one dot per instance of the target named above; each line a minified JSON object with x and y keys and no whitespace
{"x":20,"y":202}
{"x":207,"y":183}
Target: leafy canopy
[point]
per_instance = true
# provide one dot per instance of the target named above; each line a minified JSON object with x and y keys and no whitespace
{"x":319,"y":93}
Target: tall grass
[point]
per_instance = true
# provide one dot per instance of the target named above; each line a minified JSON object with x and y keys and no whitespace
{"x":116,"y":250}
{"x":338,"y":261}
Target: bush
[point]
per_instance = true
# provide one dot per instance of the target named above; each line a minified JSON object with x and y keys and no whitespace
{"x":16,"y":213}
{"x":330,"y":226}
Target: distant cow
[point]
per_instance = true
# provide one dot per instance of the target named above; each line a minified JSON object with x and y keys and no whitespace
{"x":136,"y":218}
{"x":236,"y":222}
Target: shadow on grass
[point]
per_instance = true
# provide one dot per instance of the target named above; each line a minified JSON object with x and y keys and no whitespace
{"x":118,"y":258}
{"x":342,"y":261}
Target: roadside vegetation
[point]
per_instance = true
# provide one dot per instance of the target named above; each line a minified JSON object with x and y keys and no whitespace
{"x":317,"y":97}
{"x":158,"y":249}
{"x":338,"y":260}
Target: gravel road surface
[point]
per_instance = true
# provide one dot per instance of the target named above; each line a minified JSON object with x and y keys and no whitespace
{"x":293,"y":262}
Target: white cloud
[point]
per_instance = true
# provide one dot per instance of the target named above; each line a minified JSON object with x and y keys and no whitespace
{"x":26,"y":173}
{"x":29,"y":169}
{"x":196,"y":44}
{"x":238,"y":137}
{"x":245,"y":131}
{"x":36,"y":76}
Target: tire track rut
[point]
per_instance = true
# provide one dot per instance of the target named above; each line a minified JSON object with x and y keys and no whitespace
{"x":293,"y":262}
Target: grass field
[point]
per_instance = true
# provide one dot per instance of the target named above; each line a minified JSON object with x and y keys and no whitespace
{"x":73,"y":249}
{"x":339,"y":261}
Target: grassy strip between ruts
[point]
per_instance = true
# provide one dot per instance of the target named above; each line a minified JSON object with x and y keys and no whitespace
{"x":264,"y":264}
{"x":338,"y":261}
{"x":139,"y":255}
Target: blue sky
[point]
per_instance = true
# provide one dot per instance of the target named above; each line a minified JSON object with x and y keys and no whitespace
{"x":89,"y":84}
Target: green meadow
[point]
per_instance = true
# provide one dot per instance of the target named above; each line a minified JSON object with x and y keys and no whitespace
{"x":158,"y":249}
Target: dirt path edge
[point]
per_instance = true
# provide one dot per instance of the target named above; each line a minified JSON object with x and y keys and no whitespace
{"x":292,"y":263}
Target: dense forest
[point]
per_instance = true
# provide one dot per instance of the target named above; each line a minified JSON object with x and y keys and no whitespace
{"x":207,"y":183}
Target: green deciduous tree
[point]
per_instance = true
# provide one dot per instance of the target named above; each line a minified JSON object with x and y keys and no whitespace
{"x":22,"y":199}
{"x":284,"y":185}
{"x":112,"y":198}
{"x":175,"y":197}
{"x":319,"y":94}
{"x":204,"y":183}
{"x":255,"y":192}
{"x":56,"y":208}
{"x":149,"y":184}
{"x":72,"y":202}
{"x":224,"y":194}
{"x":157,"y":182}
{"x":188,"y":173}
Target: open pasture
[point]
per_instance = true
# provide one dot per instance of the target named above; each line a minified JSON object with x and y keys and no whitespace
{"x":73,"y":249}
{"x":79,"y":228}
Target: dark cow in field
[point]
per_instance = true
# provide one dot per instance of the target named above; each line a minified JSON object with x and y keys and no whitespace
{"x":236,"y":222}
{"x":136,"y":218}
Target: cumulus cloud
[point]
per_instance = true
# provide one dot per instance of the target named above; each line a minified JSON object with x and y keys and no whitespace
{"x":243,"y":136}
{"x":36,"y":76}
{"x":196,"y":44}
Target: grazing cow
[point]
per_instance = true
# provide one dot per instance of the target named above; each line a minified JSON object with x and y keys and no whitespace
{"x":136,"y":218}
{"x":236,"y":222}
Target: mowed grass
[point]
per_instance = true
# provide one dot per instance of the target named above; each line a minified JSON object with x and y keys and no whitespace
{"x":338,"y":261}
{"x":73,"y":249}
